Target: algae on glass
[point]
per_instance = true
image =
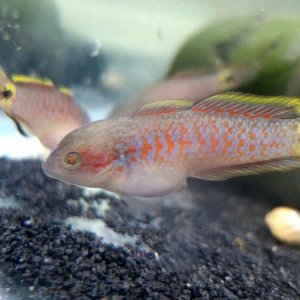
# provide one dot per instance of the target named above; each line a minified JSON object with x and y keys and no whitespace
{"x":268,"y":45}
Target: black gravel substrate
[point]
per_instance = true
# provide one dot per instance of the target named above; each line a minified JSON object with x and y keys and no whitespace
{"x":217,"y":249}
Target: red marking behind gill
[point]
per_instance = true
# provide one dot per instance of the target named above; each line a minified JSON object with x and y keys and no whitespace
{"x":94,"y":162}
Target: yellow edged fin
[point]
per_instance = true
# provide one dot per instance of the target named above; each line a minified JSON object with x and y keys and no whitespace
{"x":163,"y":107}
{"x":66,"y":91}
{"x":250,"y":106}
{"x":258,"y":99}
{"x":18,"y":78}
{"x":281,"y":164}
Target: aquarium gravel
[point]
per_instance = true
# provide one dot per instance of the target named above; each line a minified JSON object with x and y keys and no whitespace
{"x":216,"y":247}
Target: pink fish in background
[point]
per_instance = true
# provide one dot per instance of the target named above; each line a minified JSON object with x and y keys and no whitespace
{"x":153,"y":153}
{"x":48,"y":112}
{"x":193,"y":86}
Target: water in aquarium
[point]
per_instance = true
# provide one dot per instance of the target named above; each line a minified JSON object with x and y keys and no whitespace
{"x":149,"y":149}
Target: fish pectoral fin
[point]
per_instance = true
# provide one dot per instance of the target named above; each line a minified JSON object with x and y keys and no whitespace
{"x":250,"y":106}
{"x":282,"y":164}
{"x":163,"y":107}
{"x":18,"y":125}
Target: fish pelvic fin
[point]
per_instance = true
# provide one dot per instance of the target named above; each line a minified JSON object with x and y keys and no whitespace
{"x":250,"y":106}
{"x":163,"y":107}
{"x":18,"y":125}
{"x":274,"y":165}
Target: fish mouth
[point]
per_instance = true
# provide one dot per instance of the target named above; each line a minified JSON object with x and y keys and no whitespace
{"x":51,"y":165}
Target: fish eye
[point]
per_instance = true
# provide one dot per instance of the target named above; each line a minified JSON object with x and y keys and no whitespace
{"x":72,"y":160}
{"x":7,"y":93}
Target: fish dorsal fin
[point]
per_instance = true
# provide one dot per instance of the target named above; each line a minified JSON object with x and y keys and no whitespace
{"x":66,"y":93}
{"x":280,"y":164}
{"x":163,"y":107}
{"x":250,"y":106}
{"x":43,"y":82}
{"x":24,"y":79}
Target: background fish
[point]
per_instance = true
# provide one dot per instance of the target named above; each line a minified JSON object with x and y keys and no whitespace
{"x":48,"y":112}
{"x":192,"y":85}
{"x":200,"y":85}
{"x":154,"y":152}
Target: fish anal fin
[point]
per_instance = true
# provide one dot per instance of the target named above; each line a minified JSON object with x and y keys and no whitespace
{"x":274,"y":165}
{"x":163,"y":107}
{"x":250,"y":106}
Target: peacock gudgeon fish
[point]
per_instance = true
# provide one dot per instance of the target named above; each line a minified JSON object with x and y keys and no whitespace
{"x":192,"y":86}
{"x":48,"y":112}
{"x":155,"y":151}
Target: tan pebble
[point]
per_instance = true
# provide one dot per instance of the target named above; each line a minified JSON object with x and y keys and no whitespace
{"x":284,"y":223}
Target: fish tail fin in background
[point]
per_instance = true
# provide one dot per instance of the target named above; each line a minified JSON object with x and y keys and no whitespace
{"x":252,"y":107}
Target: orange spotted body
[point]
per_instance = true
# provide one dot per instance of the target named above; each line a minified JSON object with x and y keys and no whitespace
{"x":153,"y":152}
{"x":211,"y":141}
